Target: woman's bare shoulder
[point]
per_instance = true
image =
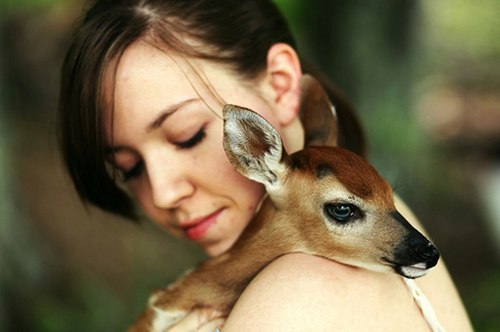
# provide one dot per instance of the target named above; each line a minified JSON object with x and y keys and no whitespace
{"x":300,"y":292}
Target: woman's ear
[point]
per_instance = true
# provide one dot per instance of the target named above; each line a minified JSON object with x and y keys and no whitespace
{"x":283,"y":75}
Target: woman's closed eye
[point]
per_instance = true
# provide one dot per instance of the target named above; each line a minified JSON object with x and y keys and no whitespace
{"x":137,"y":169}
{"x":193,"y":141}
{"x":133,"y":172}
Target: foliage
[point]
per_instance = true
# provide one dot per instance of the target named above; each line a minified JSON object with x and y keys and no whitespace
{"x":482,"y":303}
{"x":12,"y":7}
{"x":469,"y":28}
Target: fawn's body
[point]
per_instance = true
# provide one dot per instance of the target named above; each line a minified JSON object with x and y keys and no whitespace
{"x":323,"y":200}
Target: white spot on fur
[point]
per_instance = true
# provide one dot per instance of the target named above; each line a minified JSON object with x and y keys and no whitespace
{"x":375,"y":267}
{"x":415,"y":271}
{"x":165,"y":319}
{"x":334,"y":111}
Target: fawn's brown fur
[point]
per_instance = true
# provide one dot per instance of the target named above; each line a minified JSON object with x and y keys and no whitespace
{"x":323,"y":200}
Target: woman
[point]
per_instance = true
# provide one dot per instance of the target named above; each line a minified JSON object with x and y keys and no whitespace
{"x":139,"y":85}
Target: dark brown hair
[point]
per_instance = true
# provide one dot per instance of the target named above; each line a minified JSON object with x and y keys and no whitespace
{"x":236,"y":33}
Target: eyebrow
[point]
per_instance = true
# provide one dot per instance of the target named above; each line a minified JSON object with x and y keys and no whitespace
{"x":156,"y":123}
{"x":166,"y":113}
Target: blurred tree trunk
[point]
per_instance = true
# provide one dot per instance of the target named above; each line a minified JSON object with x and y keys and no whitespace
{"x":361,"y":44}
{"x":3,"y":205}
{"x":6,"y":210}
{"x":21,"y":268}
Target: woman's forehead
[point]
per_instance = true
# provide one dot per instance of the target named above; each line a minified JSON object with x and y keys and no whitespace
{"x":146,"y":80}
{"x":155,"y":68}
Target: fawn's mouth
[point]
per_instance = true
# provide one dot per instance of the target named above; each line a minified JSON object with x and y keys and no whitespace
{"x":413,"y":271}
{"x":409,"y":271}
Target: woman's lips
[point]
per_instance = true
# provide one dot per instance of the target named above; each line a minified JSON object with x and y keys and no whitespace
{"x":197,"y":228}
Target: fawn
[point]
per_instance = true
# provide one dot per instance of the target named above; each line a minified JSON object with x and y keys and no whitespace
{"x":323,"y":200}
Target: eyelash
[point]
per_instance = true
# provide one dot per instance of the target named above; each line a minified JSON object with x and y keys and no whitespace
{"x":193,"y":141}
{"x":133,"y":172}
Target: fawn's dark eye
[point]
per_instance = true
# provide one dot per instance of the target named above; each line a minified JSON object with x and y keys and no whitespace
{"x":342,"y":213}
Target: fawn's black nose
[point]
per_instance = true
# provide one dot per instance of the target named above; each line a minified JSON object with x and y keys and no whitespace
{"x":425,"y":250}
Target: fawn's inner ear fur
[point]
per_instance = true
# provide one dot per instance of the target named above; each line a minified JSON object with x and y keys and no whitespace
{"x":253,"y":146}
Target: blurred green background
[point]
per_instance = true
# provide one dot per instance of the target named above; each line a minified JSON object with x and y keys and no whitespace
{"x":423,"y":75}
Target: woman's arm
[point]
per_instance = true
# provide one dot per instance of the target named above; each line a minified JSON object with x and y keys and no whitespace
{"x":299,"y":292}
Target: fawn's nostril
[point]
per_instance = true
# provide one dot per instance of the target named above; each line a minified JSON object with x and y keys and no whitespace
{"x":426,"y":250}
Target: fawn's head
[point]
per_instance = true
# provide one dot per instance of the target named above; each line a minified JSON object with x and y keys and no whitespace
{"x":343,"y":208}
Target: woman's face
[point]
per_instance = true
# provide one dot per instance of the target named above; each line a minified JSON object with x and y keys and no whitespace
{"x":168,"y":145}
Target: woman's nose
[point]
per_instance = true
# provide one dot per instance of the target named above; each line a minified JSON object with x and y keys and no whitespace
{"x":169,"y":187}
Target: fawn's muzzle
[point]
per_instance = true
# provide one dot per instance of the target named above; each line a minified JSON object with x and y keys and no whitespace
{"x":415,"y":256}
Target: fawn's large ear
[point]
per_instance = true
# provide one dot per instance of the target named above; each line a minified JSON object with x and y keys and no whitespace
{"x":253,"y":146}
{"x":317,"y":114}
